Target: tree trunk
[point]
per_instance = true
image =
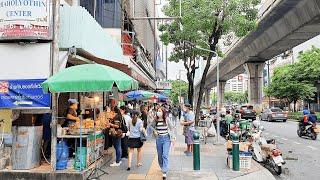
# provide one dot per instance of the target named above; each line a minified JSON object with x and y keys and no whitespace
{"x":202,"y":83}
{"x":294,"y":105}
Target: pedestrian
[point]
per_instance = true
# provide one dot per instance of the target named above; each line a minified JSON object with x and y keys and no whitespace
{"x":144,"y":115}
{"x":163,"y":130}
{"x":188,"y":123}
{"x":124,"y":140}
{"x":175,"y":114}
{"x":116,"y":133}
{"x":135,"y":127}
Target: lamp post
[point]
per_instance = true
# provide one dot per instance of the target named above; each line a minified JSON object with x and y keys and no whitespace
{"x":181,"y":70}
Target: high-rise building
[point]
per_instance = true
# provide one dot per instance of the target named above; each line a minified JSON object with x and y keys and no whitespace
{"x":237,"y":84}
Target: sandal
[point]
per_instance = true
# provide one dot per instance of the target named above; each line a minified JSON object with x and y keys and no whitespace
{"x":139,"y":164}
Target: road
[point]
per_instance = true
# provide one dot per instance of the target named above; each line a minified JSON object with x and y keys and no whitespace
{"x":302,"y":155}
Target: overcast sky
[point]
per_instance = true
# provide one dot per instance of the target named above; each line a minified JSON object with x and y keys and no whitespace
{"x":173,"y":68}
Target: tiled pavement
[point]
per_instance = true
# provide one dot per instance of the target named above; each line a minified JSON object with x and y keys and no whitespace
{"x":213,"y":165}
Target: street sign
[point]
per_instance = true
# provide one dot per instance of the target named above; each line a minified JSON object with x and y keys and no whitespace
{"x":25,"y":20}
{"x":23,"y":94}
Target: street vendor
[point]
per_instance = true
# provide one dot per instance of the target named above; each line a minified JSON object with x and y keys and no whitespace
{"x":71,"y":113}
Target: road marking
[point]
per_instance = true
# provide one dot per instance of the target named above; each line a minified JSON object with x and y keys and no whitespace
{"x":313,"y":148}
{"x":296,"y":142}
{"x":276,"y":136}
{"x":284,"y":139}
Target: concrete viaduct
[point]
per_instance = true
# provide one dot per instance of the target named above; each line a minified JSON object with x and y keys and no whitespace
{"x":282,"y":25}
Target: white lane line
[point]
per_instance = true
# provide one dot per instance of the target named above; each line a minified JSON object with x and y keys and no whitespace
{"x":284,"y":139}
{"x":296,"y":142}
{"x":313,"y":148}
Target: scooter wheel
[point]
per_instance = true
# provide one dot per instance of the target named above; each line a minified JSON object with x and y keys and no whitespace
{"x":299,"y":133}
{"x":278,"y":170}
{"x":313,"y":136}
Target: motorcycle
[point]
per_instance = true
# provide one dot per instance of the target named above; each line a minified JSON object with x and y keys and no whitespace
{"x":266,"y":152}
{"x":310,"y":131}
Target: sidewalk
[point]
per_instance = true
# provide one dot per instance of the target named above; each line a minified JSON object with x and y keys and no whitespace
{"x":213,"y":165}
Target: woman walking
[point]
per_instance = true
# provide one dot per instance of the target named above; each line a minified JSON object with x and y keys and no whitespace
{"x":135,"y":127}
{"x":116,"y":134}
{"x":163,"y":131}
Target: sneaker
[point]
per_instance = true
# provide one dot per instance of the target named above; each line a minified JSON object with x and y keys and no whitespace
{"x":115,"y":164}
{"x":189,"y":154}
{"x":164,"y":176}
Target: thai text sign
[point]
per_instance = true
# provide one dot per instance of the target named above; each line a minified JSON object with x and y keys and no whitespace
{"x":23,"y":94}
{"x":25,"y":19}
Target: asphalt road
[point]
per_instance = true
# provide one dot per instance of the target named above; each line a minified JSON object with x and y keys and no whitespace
{"x":302,"y":155}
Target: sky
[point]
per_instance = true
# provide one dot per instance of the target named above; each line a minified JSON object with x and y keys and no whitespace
{"x":173,"y":68}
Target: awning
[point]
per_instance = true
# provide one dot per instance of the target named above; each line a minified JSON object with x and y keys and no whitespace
{"x":89,"y":78}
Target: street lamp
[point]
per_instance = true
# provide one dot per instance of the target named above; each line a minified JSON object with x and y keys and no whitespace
{"x":218,"y":86}
{"x":181,"y":70}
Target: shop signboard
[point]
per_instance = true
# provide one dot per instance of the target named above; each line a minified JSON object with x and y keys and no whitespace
{"x":25,"y":20}
{"x":23,"y":94}
{"x":163,"y":85}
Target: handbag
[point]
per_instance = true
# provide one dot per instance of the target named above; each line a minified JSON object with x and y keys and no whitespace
{"x":143,"y":136}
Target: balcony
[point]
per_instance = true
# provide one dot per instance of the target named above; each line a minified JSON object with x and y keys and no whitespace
{"x":80,"y":30}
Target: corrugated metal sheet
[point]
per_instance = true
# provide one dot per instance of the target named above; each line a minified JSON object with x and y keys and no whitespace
{"x":79,"y":29}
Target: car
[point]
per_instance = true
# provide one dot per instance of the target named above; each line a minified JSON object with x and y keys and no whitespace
{"x":274,"y":114}
{"x":247,"y":112}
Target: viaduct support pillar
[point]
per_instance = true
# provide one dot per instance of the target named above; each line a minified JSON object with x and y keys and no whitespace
{"x":255,"y":83}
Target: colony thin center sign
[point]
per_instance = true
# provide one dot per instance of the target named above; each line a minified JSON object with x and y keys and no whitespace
{"x":25,"y":19}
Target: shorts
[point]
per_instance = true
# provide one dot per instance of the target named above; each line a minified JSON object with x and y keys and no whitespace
{"x":189,"y":137}
{"x":135,"y":143}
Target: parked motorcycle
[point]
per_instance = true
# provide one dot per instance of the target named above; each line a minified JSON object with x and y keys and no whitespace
{"x":266,"y":152}
{"x":310,"y":131}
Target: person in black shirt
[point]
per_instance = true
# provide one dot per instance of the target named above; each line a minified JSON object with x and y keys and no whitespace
{"x":71,"y":113}
{"x":144,"y":115}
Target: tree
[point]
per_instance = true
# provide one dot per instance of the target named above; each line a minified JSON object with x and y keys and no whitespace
{"x":285,"y":85}
{"x":235,"y":97}
{"x":177,"y":88}
{"x":203,"y":22}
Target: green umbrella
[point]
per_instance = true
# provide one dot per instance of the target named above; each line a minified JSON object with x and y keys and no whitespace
{"x":89,"y":78}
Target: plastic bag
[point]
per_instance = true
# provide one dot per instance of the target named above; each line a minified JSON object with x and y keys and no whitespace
{"x":212,"y":131}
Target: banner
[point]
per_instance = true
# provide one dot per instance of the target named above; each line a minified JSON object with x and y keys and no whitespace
{"x":25,"y":19}
{"x":23,"y":94}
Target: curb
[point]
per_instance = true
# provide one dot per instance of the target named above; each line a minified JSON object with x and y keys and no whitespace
{"x":263,"y":174}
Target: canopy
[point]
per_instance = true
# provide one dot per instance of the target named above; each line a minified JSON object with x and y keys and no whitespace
{"x":89,"y":78}
{"x":139,"y":95}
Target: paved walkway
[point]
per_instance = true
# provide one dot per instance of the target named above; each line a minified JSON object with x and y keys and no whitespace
{"x":213,"y":165}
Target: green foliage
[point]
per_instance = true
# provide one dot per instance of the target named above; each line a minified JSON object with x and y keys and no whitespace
{"x":178,"y":86}
{"x":235,"y":97}
{"x":296,"y":82}
{"x":203,"y":20}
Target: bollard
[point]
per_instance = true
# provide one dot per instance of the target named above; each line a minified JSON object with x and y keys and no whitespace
{"x":235,"y":152}
{"x":196,"y":150}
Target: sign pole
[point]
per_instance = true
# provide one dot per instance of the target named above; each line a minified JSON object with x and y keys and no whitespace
{"x":54,"y":69}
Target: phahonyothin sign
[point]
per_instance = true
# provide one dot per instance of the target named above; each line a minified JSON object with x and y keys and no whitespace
{"x":25,"y":19}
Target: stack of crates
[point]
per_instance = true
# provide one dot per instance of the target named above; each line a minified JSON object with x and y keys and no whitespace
{"x":245,"y":160}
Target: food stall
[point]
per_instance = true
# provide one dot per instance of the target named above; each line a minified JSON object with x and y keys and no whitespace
{"x":85,"y":78}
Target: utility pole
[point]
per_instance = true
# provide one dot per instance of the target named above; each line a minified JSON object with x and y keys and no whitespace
{"x":54,"y":70}
{"x":269,"y":82}
{"x":166,"y":62}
